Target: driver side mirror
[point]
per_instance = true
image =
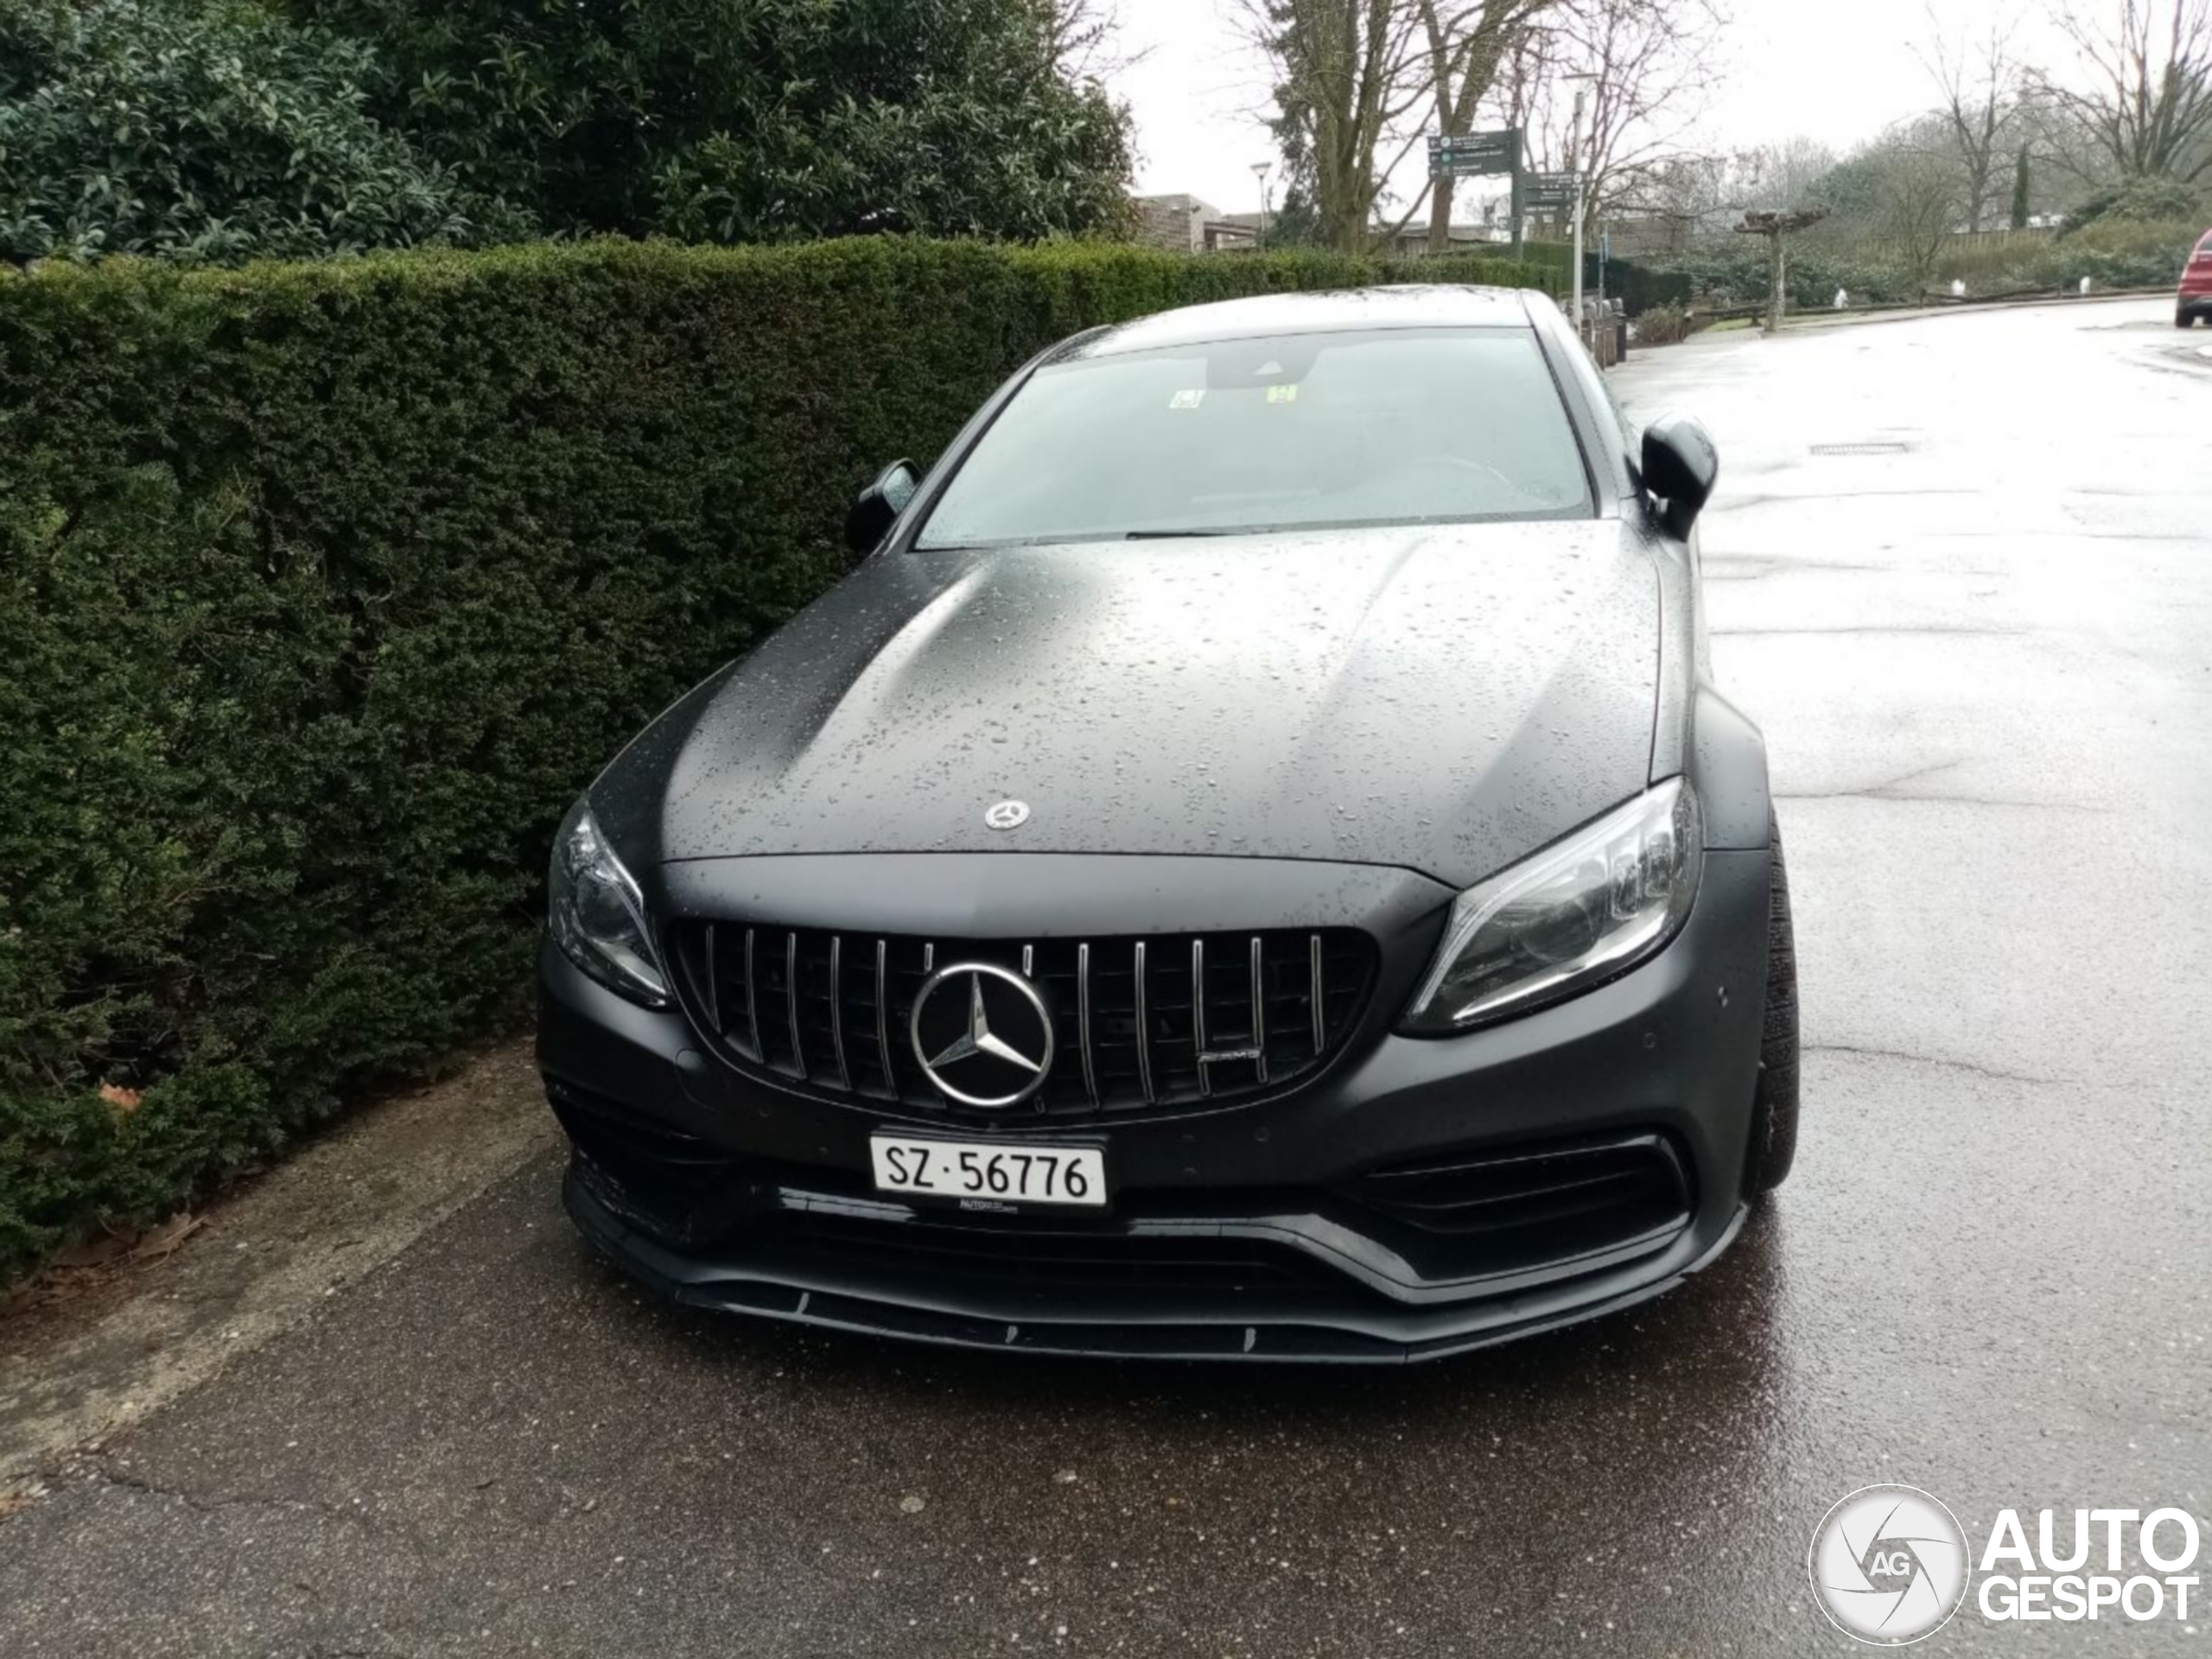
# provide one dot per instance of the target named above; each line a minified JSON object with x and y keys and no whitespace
{"x":877,"y":507}
{"x":1680,"y":467}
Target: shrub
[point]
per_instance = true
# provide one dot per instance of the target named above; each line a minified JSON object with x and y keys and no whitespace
{"x":324,"y":588}
{"x":1641,"y":286}
{"x":2138,"y":201}
{"x":2112,"y":253}
{"x":1638,"y":283}
{"x":1663,"y":325}
{"x":211,"y":133}
{"x":755,"y":120}
{"x":220,"y":130}
{"x":1734,"y":273}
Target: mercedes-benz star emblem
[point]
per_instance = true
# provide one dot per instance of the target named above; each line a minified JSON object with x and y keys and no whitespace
{"x":1007,"y":815}
{"x":988,"y":1041}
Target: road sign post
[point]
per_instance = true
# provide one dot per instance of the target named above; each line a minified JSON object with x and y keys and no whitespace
{"x":1547,"y":192}
{"x":1466,"y":154}
{"x":1473,"y":155}
{"x":1542,"y":193}
{"x":1573,"y":149}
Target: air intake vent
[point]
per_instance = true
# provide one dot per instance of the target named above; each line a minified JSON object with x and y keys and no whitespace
{"x":1138,"y":1023}
{"x":1589,"y":1192}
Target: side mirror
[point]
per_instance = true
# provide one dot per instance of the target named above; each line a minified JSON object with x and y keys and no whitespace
{"x":877,"y":507}
{"x":1680,"y":467}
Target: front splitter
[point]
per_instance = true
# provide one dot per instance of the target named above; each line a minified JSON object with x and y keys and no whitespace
{"x":1387,"y":1339}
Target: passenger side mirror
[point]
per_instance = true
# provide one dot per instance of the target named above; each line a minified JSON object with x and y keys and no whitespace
{"x":1680,"y":467}
{"x":877,"y":507}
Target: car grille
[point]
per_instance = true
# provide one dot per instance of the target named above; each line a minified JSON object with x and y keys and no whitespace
{"x":1138,"y":1023}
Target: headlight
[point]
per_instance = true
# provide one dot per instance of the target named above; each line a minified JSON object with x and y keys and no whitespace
{"x":597,"y":915}
{"x":1560,"y":920}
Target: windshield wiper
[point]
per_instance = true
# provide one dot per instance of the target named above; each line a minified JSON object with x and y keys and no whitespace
{"x":1176,"y":535}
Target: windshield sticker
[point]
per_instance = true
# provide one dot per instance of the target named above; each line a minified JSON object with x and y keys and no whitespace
{"x":1283,"y":394}
{"x":1187,"y":399}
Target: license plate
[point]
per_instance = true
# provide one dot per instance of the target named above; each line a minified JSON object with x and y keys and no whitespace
{"x":991,"y":1173}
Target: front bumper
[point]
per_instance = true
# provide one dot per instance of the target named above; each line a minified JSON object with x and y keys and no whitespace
{"x":1586,"y":1156}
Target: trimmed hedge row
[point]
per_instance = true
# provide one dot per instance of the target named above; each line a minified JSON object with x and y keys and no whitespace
{"x":1638,"y":284}
{"x":324,"y":588}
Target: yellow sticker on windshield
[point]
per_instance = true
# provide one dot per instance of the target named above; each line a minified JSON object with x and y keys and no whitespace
{"x":1283,"y":394}
{"x":1187,"y":399}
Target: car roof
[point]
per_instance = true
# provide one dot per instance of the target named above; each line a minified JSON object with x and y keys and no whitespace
{"x":1412,"y":305}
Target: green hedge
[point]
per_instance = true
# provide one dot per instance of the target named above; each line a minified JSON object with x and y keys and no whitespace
{"x":324,"y":588}
{"x":1637,"y":283}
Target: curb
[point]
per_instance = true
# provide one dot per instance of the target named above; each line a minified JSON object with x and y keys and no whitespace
{"x":1809,"y":321}
{"x":1915,"y":312}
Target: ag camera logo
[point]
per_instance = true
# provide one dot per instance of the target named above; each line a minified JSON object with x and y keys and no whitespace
{"x":1889,"y":1565}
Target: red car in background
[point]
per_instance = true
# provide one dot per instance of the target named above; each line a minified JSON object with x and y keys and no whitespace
{"x":2195,"y":299}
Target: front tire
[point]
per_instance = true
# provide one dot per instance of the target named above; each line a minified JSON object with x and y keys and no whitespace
{"x":1774,"y":1100}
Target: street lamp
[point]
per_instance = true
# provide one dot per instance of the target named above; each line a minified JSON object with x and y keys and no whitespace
{"x":1575,"y":169}
{"x":1260,"y":171}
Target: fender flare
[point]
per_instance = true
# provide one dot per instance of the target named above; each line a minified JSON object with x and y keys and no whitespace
{"x":1728,"y":767}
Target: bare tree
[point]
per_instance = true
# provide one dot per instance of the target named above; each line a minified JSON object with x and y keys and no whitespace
{"x":1688,"y":198}
{"x":2146,"y":107}
{"x":1083,"y":36}
{"x":1978,"y":83}
{"x":1785,"y":176}
{"x":2057,"y":136}
{"x":1347,"y":73}
{"x":1468,"y":40}
{"x":1904,"y":188}
{"x":1645,"y":69}
{"x":1919,"y":200}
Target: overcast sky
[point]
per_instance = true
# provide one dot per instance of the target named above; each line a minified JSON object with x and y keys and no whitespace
{"x":1836,"y":71}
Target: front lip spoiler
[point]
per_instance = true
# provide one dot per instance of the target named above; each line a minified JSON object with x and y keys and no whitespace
{"x":1282,"y":1342}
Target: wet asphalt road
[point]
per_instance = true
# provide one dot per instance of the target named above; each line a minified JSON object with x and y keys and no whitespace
{"x":1984,"y":665}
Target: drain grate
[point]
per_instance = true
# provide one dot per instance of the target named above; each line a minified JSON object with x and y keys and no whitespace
{"x":1859,"y":449}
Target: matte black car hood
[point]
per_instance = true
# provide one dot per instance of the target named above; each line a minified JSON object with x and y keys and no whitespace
{"x":1445,"y":699}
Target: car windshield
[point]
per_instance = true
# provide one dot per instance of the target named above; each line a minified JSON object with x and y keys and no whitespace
{"x":1294,"y":432}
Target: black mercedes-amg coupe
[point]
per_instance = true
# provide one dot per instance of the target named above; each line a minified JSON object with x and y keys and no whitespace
{"x":1251,"y":863}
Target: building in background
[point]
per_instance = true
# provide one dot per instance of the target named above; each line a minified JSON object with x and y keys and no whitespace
{"x":1176,"y":223}
{"x":1183,"y":223}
